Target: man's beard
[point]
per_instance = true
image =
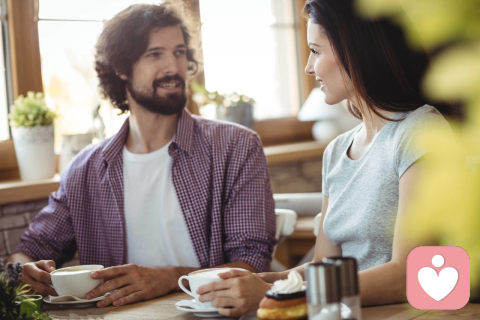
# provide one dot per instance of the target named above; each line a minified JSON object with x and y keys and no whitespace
{"x":167,"y":105}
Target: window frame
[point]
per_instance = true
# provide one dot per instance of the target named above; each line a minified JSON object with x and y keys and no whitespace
{"x":26,"y":66}
{"x":24,"y":46}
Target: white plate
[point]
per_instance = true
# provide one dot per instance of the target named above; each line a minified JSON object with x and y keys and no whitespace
{"x":48,"y":299}
{"x":199,"y":311}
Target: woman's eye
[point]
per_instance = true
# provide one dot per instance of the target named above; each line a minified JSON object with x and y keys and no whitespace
{"x":314,"y":52}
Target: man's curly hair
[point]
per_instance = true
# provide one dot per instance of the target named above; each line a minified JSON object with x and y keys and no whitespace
{"x":125,"y":38}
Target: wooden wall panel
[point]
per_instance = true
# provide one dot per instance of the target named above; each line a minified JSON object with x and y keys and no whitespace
{"x":8,"y":161}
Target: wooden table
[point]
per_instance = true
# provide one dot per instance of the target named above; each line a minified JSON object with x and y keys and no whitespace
{"x":164,"y":308}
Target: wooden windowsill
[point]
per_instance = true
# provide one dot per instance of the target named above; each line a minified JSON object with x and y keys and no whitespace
{"x":292,"y":152}
{"x":17,"y":191}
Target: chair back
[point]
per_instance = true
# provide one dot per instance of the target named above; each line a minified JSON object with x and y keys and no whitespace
{"x":286,"y":220}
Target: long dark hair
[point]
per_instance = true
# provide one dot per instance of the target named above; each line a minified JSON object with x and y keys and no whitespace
{"x":385,"y":71}
{"x":125,"y":38}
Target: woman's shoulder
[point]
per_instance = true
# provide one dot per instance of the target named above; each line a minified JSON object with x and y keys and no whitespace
{"x":417,"y":120}
{"x":421,"y":116}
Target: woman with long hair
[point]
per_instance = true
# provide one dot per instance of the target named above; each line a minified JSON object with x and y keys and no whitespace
{"x":369,"y":171}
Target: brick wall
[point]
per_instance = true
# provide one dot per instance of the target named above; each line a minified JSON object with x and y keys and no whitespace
{"x":14,"y":219}
{"x":301,"y":176}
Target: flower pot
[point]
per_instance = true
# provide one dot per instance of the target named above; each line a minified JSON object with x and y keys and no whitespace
{"x":72,"y":144}
{"x":34,"y":148}
{"x":241,"y":113}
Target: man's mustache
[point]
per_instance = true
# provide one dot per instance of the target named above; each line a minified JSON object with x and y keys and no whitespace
{"x":176,"y":77}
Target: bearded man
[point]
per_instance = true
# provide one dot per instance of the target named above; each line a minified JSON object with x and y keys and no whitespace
{"x":169,"y":193}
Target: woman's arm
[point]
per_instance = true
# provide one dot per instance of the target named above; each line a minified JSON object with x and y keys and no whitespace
{"x":385,"y":283}
{"x":323,"y":246}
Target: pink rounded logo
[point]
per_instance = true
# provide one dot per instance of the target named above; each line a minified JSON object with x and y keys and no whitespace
{"x":438,"y":278}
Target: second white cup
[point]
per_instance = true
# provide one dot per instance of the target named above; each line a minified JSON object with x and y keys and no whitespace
{"x":198,"y":278}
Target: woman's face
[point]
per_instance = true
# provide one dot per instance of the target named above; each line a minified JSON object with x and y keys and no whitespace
{"x":323,"y":64}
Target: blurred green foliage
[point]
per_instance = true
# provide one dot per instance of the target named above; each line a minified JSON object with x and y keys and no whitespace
{"x":446,"y":204}
{"x":203,"y":97}
{"x":15,"y":301}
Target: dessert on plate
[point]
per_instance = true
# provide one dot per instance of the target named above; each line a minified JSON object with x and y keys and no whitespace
{"x":286,"y":300}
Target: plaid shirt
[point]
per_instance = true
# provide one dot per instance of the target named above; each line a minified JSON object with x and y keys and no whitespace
{"x":221,"y":179}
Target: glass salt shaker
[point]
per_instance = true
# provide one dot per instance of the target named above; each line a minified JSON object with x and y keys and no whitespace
{"x":350,"y":302}
{"x":323,"y":291}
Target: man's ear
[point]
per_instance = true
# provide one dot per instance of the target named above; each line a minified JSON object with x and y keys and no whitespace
{"x":122,"y":76}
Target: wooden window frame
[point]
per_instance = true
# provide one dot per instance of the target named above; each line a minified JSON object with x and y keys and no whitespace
{"x":24,"y":46}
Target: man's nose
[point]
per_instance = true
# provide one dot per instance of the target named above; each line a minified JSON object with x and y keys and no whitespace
{"x":171,"y":65}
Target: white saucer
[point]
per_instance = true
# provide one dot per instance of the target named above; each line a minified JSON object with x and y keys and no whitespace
{"x":198,"y":310}
{"x":63,"y":300}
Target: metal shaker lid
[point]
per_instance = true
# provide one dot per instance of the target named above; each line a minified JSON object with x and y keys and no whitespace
{"x":348,"y":274}
{"x":323,"y":283}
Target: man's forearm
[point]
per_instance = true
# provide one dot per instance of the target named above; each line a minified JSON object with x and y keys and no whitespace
{"x":19,"y":257}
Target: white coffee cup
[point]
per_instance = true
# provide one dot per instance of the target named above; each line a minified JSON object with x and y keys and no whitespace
{"x":198,"y":278}
{"x":75,"y":281}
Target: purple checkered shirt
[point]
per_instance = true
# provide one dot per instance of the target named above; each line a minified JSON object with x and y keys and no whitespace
{"x":221,"y":179}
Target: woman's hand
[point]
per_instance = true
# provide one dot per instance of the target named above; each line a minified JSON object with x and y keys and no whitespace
{"x":240,"y":292}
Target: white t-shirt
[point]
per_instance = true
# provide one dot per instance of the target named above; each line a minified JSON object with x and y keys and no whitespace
{"x":157,"y":233}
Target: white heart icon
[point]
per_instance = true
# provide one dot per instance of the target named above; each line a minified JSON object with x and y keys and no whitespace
{"x":438,"y":286}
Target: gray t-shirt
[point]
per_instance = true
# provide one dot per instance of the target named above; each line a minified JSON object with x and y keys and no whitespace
{"x":363,"y":194}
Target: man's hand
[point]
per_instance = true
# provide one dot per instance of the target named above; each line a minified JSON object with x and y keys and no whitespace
{"x":239,"y":293}
{"x":37,"y":275}
{"x":132,"y":283}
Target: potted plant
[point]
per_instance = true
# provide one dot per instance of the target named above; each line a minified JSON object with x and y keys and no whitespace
{"x":232,"y":107}
{"x":33,"y":136}
{"x":15,"y":302}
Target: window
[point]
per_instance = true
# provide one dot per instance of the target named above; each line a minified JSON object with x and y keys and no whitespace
{"x":68,"y":31}
{"x":249,"y":46}
{"x":4,"y":72}
{"x":258,"y":55}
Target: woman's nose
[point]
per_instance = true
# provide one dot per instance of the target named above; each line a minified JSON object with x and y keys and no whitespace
{"x":309,"y":68}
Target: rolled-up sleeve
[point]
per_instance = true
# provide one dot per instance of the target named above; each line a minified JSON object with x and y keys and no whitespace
{"x":249,"y":212}
{"x":50,"y":235}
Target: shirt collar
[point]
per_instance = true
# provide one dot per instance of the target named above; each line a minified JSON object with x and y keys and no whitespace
{"x":183,"y":137}
{"x":114,"y":147}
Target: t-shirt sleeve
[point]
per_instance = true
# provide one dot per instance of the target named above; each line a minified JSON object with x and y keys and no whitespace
{"x":408,"y":150}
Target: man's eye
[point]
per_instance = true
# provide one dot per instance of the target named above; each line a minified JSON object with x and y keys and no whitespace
{"x":180,"y":52}
{"x":154,"y":54}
